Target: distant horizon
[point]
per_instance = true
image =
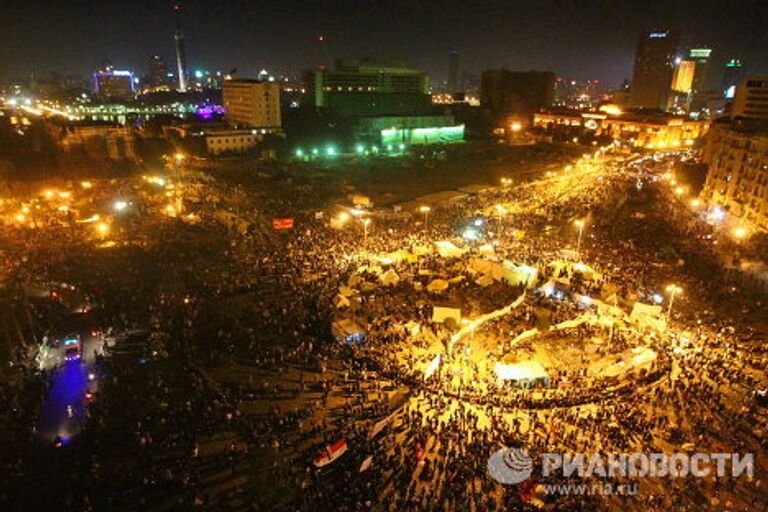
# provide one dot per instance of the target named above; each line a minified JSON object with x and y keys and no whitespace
{"x":576,"y":41}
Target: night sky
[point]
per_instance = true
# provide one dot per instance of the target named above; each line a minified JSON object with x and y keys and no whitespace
{"x":575,"y":39}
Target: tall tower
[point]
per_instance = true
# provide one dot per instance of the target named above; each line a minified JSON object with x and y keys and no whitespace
{"x":654,"y":66}
{"x":181,"y":52}
{"x":453,"y":72}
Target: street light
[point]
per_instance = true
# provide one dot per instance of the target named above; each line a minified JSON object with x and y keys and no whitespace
{"x":425,"y":210}
{"x":740,"y":232}
{"x":365,"y":228}
{"x":673,"y":290}
{"x":579,"y":223}
{"x":120,"y":205}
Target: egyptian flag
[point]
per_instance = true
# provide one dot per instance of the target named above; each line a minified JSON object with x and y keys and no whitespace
{"x":331,"y":453}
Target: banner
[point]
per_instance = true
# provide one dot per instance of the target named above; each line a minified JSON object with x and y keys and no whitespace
{"x":366,"y":464}
{"x":331,"y":453}
{"x":286,"y":223}
{"x":432,"y":368}
{"x":379,"y":426}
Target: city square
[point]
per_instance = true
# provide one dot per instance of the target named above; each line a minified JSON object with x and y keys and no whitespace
{"x":360,"y":291}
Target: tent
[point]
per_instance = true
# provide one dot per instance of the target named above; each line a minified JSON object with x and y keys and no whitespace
{"x":525,"y":372}
{"x":438,"y":285}
{"x":448,"y":249}
{"x":347,"y":330}
{"x":484,"y":280}
{"x":389,"y":278}
{"x":648,"y":315}
{"x":442,"y":313}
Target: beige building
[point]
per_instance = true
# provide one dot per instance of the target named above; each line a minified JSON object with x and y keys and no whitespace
{"x":252,"y":103}
{"x":651,"y":131}
{"x":737,"y":179}
{"x":751,"y":98}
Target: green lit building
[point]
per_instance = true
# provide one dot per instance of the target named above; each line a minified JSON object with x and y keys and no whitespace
{"x":387,"y":131}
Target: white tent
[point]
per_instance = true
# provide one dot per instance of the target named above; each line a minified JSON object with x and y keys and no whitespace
{"x":448,"y":249}
{"x":523,"y":371}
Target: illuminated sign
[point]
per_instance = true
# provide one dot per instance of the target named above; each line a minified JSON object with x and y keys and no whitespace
{"x":730,"y":92}
{"x":657,"y":35}
{"x":700,"y":53}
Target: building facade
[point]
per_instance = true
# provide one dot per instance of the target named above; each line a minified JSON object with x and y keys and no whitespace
{"x":516,"y":94}
{"x":114,"y":84}
{"x":737,"y":177}
{"x":654,"y":66}
{"x":252,"y":103}
{"x":732,"y":77}
{"x":751,"y":99}
{"x":700,"y":56}
{"x":651,"y":131}
{"x":368,"y":88}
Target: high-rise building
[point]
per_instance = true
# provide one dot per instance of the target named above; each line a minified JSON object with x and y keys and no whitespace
{"x":252,"y":103}
{"x":158,"y":71}
{"x":737,"y":156}
{"x":453,"y":72}
{"x":654,"y":65}
{"x":751,"y":99}
{"x":701,"y":57}
{"x":368,"y":88}
{"x":732,"y":76}
{"x":516,"y":93}
{"x":114,"y":84}
{"x":181,"y":51}
{"x":682,"y":80}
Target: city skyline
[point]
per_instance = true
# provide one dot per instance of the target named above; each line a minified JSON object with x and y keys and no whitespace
{"x":592,"y":40}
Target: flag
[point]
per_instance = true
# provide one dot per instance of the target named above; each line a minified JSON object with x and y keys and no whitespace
{"x":331,"y":453}
{"x":432,"y":367}
{"x":379,"y":426}
{"x":366,"y":464}
{"x":286,"y":223}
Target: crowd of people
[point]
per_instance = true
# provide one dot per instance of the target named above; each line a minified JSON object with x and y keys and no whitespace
{"x":235,"y":383}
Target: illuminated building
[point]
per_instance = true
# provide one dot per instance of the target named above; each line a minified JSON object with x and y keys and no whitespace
{"x":408,"y":130}
{"x":737,"y":177}
{"x":453,"y":72}
{"x":158,"y":72}
{"x":700,"y":56}
{"x":654,"y":64}
{"x":114,"y":84}
{"x":181,"y":51}
{"x":732,"y":76}
{"x":682,"y":80}
{"x":516,"y":93}
{"x":252,"y":103}
{"x":368,"y":88}
{"x":751,"y":99}
{"x":577,"y":94}
{"x":642,"y":130}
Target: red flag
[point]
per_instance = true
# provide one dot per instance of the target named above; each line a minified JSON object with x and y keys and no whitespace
{"x":331,"y":453}
{"x":286,"y":223}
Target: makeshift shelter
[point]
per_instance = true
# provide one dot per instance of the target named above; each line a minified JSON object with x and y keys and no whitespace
{"x":525,"y":373}
{"x":442,"y":313}
{"x":648,"y":316}
{"x":484,"y":280}
{"x":437,"y":285}
{"x":389,"y":278}
{"x":348,"y":331}
{"x":448,"y":249}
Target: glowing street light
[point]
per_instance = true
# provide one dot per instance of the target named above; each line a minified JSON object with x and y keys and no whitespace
{"x":695,"y":203}
{"x":740,"y":232}
{"x":425,"y":210}
{"x":673,"y":290}
{"x":343,"y":217}
{"x":179,"y":157}
{"x":102,"y":228}
{"x":365,"y":228}
{"x":120,"y":205}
